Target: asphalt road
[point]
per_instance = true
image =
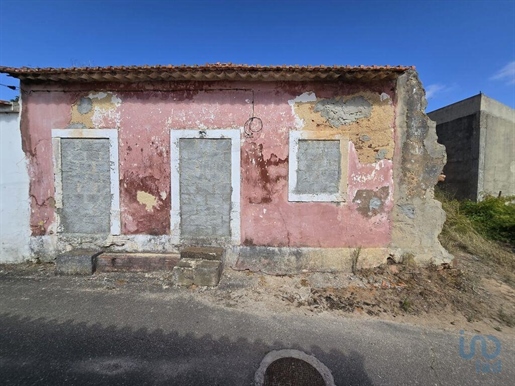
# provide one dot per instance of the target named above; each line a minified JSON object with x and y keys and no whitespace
{"x":63,"y":331}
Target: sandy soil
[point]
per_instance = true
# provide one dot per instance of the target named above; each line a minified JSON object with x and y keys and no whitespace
{"x":468,"y":295}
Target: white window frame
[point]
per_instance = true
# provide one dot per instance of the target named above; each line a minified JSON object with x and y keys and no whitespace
{"x":112,"y":136}
{"x":295,"y":137}
{"x":175,"y":214}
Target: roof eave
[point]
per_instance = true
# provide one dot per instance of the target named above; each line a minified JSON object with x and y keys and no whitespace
{"x":205,"y":73}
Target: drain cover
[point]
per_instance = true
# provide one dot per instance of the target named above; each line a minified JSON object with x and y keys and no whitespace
{"x":292,"y":367}
{"x":292,"y":371}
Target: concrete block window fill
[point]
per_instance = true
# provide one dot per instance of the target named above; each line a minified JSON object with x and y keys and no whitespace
{"x":205,"y":186}
{"x":317,"y":169}
{"x":86,"y":185}
{"x":86,"y":181}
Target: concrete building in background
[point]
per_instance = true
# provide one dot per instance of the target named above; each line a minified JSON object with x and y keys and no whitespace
{"x":479,"y":136}
{"x":14,"y":188}
{"x":284,"y":168}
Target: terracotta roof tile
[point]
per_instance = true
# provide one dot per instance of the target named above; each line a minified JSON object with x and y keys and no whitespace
{"x":206,"y":72}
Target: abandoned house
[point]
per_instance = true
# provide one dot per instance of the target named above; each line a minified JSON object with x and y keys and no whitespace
{"x":286,"y":168}
{"x":479,"y":134}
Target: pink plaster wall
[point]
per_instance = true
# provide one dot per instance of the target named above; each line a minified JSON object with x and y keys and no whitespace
{"x":42,"y":112}
{"x":145,"y":119}
{"x":268,"y":218}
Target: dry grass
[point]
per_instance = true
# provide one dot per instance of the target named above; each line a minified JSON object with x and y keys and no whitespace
{"x":472,"y":286}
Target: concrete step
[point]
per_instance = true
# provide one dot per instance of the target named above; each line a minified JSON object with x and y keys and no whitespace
{"x":76,"y":262}
{"x":136,"y":262}
{"x":203,"y":253}
{"x":196,"y":271}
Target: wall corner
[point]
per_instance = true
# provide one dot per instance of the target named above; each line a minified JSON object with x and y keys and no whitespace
{"x":417,"y":217}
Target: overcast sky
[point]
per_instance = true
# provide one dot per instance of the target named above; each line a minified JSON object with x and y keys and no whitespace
{"x":459,"y":47}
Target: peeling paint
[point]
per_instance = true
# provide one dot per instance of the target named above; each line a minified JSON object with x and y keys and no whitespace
{"x":338,"y":112}
{"x":144,"y":114}
{"x":370,"y":131}
{"x":303,"y":98}
{"x":146,"y":199}
{"x":370,"y":202}
{"x":96,"y":110}
{"x":264,"y":174}
{"x":85,"y":105}
{"x":384,"y":96}
{"x":145,"y":166}
{"x":267,"y":217}
{"x":381,"y":154}
{"x":144,"y":211}
{"x":49,"y":110}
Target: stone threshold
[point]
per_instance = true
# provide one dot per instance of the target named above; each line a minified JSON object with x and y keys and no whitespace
{"x":136,"y":262}
{"x":201,"y":266}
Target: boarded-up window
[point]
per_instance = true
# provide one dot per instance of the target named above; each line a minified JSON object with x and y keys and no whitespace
{"x":205,"y":188}
{"x":86,"y":189}
{"x":318,"y":168}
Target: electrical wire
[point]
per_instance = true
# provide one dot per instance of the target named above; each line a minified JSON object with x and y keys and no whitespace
{"x":249,"y":128}
{"x":10,"y":87}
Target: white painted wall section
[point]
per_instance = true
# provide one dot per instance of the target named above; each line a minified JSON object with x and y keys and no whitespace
{"x":14,"y":192}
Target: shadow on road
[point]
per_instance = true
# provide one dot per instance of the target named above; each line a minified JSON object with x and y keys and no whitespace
{"x":42,"y":351}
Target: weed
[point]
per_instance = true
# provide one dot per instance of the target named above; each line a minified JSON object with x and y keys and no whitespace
{"x":493,"y":218}
{"x":405,"y":305}
{"x":408,"y":259}
{"x":463,"y":231}
{"x":355,"y":258}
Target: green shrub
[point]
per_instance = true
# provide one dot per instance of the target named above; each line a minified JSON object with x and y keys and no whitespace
{"x":461,"y":233}
{"x":494,"y":218}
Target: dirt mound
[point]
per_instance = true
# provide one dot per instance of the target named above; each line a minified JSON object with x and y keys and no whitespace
{"x":400,"y":289}
{"x":469,"y":294}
